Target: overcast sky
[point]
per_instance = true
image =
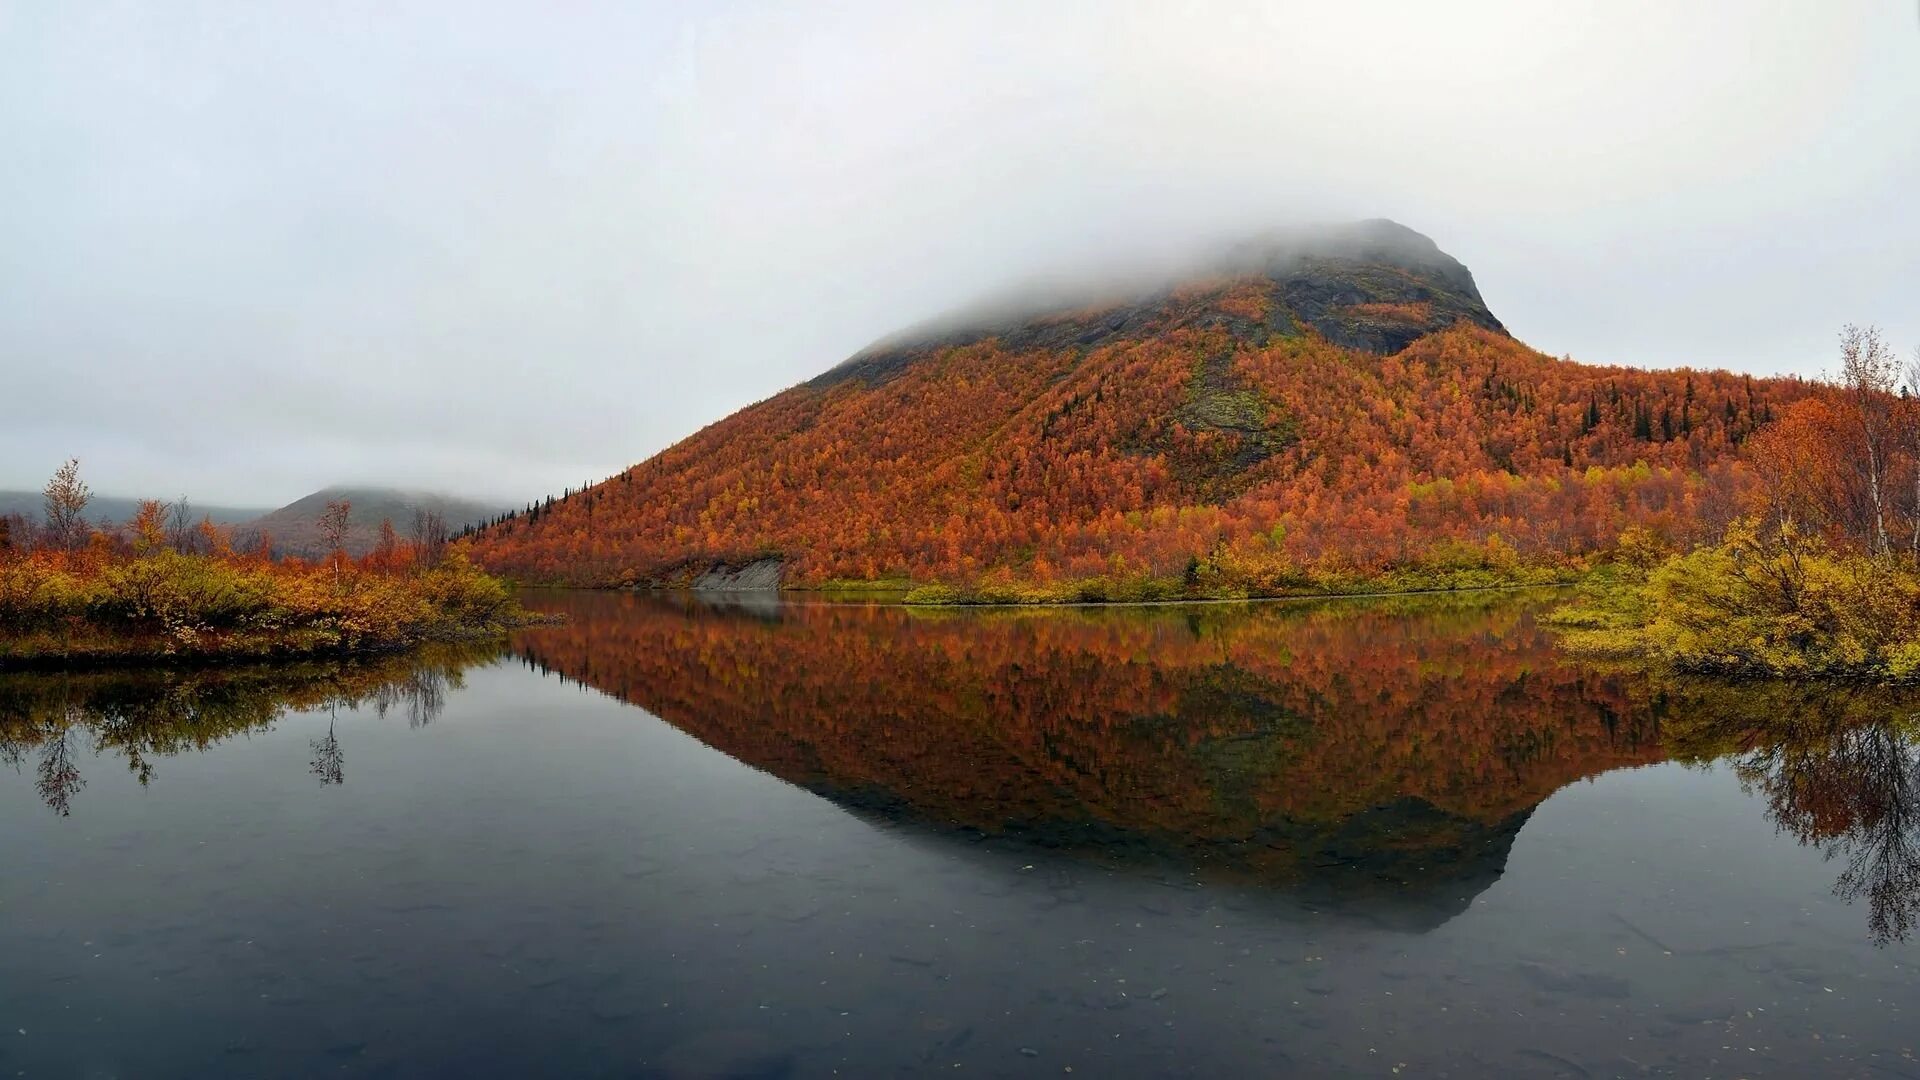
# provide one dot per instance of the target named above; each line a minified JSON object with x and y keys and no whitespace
{"x":247,"y":249}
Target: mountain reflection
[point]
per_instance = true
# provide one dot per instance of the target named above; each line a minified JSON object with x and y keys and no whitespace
{"x":1378,"y":755}
{"x":51,"y":718}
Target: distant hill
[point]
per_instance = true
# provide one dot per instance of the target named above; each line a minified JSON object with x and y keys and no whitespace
{"x":119,"y":508}
{"x":295,"y":527}
{"x":1324,"y":399}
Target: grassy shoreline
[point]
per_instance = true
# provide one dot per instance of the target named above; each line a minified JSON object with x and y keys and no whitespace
{"x":1160,"y":592}
{"x":1173,"y":591}
{"x":164,"y":608}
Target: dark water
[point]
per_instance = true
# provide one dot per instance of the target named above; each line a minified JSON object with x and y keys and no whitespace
{"x":670,"y":839}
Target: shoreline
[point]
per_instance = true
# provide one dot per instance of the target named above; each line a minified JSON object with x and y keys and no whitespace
{"x":895,"y":597}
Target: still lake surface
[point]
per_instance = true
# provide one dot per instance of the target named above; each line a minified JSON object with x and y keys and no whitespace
{"x":752,"y":838}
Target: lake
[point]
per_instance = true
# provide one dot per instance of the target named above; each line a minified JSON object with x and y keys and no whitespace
{"x":695,"y":838}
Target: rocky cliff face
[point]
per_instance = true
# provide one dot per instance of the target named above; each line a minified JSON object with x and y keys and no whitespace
{"x":760,"y":575}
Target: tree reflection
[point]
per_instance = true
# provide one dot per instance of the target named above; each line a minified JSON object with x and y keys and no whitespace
{"x":59,"y":778}
{"x":421,"y":694}
{"x":1839,"y":768}
{"x":62,"y":719}
{"x":329,"y":761}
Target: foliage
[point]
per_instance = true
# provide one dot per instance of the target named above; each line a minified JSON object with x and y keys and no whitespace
{"x":1812,"y":583}
{"x":161,"y":604}
{"x":1764,"y":601}
{"x":66,"y":496}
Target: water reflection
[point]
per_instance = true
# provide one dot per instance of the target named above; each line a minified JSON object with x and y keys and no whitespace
{"x":1375,"y":758}
{"x":329,"y":761}
{"x":1372,"y":759}
{"x":53,"y":719}
{"x":1839,"y":768}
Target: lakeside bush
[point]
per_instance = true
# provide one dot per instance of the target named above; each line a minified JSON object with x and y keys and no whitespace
{"x":1765,"y":601}
{"x":104,"y":605}
{"x":161,"y":588}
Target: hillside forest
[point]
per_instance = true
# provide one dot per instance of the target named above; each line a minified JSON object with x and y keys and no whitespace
{"x":1820,"y":575}
{"x":1210,"y":459}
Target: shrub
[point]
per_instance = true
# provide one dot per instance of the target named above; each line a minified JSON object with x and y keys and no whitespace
{"x":160,"y":603}
{"x":1762,"y":602}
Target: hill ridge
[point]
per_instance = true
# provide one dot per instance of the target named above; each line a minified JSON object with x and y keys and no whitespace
{"x":295,"y":527}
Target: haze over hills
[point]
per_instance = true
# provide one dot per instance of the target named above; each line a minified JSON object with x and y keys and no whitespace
{"x":1314,"y":401}
{"x":295,"y":527}
{"x":118,"y":508}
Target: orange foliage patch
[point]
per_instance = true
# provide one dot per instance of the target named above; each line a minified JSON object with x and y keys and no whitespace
{"x":1418,"y":313}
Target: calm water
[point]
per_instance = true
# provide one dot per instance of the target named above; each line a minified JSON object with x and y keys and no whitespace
{"x":676,"y":839}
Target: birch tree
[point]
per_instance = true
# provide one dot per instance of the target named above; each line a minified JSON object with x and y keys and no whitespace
{"x":66,"y":497}
{"x":1869,"y":372}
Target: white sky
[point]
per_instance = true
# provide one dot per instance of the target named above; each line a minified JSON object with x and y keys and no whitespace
{"x":247,"y":250}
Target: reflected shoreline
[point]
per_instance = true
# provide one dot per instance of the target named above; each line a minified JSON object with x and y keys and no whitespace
{"x":142,"y":715}
{"x":1375,"y":757}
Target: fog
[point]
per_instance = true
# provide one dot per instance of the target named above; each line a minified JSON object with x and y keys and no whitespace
{"x":250,"y":250}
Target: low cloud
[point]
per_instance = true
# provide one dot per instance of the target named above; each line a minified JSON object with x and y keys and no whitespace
{"x":249,"y":252}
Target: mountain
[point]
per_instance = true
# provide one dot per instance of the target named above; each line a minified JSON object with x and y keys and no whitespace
{"x":1313,"y":402}
{"x":295,"y":527}
{"x":117,"y":508}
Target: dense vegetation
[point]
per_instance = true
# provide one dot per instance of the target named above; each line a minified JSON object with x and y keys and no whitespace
{"x":1210,"y":442}
{"x":1821,"y":576}
{"x":163,"y":588}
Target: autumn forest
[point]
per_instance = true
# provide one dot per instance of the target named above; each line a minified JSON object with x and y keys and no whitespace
{"x":1326,"y":424}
